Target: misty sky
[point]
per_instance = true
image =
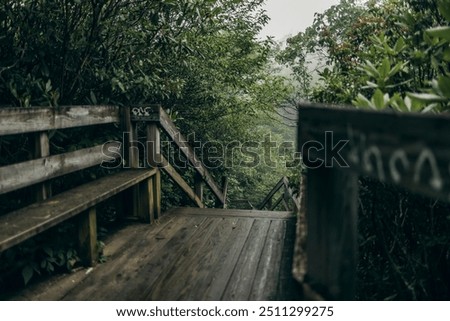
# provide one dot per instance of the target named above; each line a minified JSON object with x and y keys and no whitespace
{"x":288,"y":17}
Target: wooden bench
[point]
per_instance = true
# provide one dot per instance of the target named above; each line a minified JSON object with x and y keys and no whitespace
{"x":143,"y":184}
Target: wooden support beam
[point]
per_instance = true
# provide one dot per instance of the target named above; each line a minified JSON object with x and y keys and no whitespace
{"x":153,"y":145}
{"x":87,"y":237}
{"x":16,"y":176}
{"x":332,"y":232}
{"x":198,"y":188}
{"x":14,"y":121}
{"x":180,"y":182}
{"x":157,"y":194}
{"x":131,"y":160}
{"x":268,"y":199}
{"x":170,"y":128}
{"x":41,"y":150}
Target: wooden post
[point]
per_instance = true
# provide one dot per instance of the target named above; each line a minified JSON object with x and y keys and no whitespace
{"x":219,"y":203}
{"x":145,"y":199}
{"x":153,"y":146}
{"x":157,"y":194}
{"x":331,"y":204}
{"x":198,"y":186}
{"x":131,"y":160}
{"x":42,"y":149}
{"x":154,"y":159}
{"x":87,"y":237}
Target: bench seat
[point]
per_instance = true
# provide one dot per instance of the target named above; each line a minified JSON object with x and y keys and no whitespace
{"x":27,"y":222}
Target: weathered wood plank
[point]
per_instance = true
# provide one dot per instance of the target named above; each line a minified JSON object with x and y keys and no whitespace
{"x":180,"y":182}
{"x":198,"y":186}
{"x":232,"y":212}
{"x":409,"y":150}
{"x":42,"y":149}
{"x":180,"y":257}
{"x":16,"y":176}
{"x":17,"y":226}
{"x":288,"y":288}
{"x":162,"y":260}
{"x":170,"y":128}
{"x":157,"y":194}
{"x":240,"y":284}
{"x":87,"y":237}
{"x":174,"y":278}
{"x":224,"y":267}
{"x":121,"y":276}
{"x":270,"y":195}
{"x":195,"y":279}
{"x":153,"y":145}
{"x":265,"y":285}
{"x":26,"y":120}
{"x":332,"y":232}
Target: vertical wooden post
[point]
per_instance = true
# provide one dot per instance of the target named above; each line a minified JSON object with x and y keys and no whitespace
{"x":331,"y":204}
{"x":154,"y":160}
{"x":153,"y":146}
{"x":42,"y":149}
{"x":219,"y":203}
{"x":131,"y":160}
{"x":157,"y":194}
{"x":198,"y":186}
{"x":146,"y":206}
{"x":87,"y":237}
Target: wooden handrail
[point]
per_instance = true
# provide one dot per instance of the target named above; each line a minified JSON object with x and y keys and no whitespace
{"x":156,"y":114}
{"x":288,"y":195}
{"x":340,"y":143}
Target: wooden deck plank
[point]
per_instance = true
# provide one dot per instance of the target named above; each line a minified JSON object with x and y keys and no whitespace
{"x":160,"y":261}
{"x":221,"y":266}
{"x":187,"y":256}
{"x":115,"y":280}
{"x":265,"y":285}
{"x":234,"y":213}
{"x":240,"y":284}
{"x":288,"y":288}
{"x":194,"y":275}
{"x":176,"y":279}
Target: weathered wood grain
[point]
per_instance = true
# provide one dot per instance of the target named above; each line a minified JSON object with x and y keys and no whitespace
{"x":163,"y":259}
{"x":17,"y":226}
{"x":87,"y":237}
{"x":42,"y":149}
{"x":265,"y":284}
{"x":175,"y":279}
{"x":26,"y":120}
{"x":184,"y":257}
{"x":233,"y":212}
{"x":240,"y":284}
{"x":270,"y":195}
{"x":180,"y":182}
{"x":16,"y":176}
{"x":332,"y":232}
{"x":120,"y":278}
{"x":196,"y":279}
{"x":170,"y":128}
{"x":409,"y":150}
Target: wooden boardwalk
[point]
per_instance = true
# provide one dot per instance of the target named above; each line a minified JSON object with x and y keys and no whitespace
{"x":189,"y":254}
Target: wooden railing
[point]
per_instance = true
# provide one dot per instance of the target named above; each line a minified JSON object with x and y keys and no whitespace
{"x":155,"y":119}
{"x":408,"y":150}
{"x":138,"y":181}
{"x":289,"y":200}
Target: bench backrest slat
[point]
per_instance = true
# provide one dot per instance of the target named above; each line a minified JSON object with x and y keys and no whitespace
{"x":27,"y":120}
{"x":16,"y":176}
